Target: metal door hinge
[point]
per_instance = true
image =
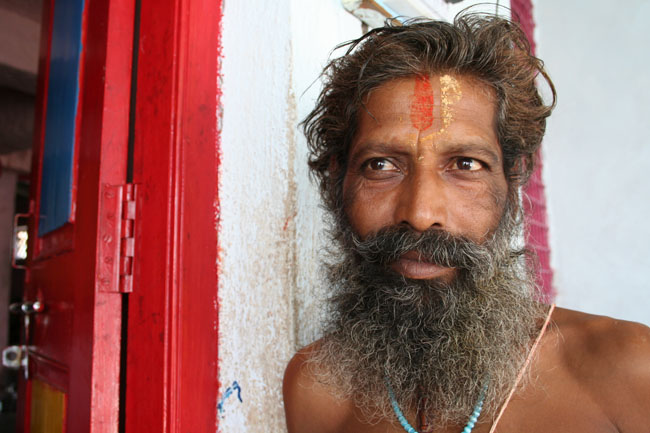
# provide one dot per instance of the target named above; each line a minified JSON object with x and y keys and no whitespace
{"x":116,"y":238}
{"x":127,"y":238}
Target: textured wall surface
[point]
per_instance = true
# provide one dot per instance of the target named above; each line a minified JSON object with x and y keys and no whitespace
{"x":597,"y":152}
{"x":270,"y":221}
{"x":256,"y":193}
{"x":317,"y":27}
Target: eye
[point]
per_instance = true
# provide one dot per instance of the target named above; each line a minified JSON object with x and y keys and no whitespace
{"x":379,"y":164}
{"x":379,"y":169}
{"x":468,"y":164}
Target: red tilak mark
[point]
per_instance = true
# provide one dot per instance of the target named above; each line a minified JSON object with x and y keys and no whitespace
{"x":422,"y":104}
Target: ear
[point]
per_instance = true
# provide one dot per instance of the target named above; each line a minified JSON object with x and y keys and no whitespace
{"x":335,"y":180}
{"x":333,"y":168}
{"x":518,"y":165}
{"x":518,"y":170}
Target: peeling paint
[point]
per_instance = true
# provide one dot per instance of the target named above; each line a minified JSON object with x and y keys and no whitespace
{"x":256,"y":252}
{"x":270,"y":222}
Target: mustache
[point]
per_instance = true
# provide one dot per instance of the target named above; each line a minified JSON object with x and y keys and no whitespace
{"x":434,"y":246}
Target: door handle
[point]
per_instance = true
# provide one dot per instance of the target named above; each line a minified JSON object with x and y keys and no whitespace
{"x":17,"y":356}
{"x":27,"y":307}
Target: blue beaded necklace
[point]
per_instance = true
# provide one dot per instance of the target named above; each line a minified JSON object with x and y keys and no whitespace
{"x":409,"y":429}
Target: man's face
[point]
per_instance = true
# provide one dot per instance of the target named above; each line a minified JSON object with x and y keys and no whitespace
{"x":428,"y":288}
{"x":426,"y":155}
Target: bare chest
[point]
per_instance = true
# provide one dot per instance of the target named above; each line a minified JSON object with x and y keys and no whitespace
{"x":561,"y":420}
{"x":556,"y":406}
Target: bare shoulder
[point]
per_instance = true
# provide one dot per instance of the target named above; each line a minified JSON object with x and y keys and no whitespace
{"x":610,"y":359}
{"x":603,"y":342}
{"x":309,"y":405}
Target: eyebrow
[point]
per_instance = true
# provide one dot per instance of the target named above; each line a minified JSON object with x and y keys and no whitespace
{"x":471,"y":147}
{"x":380,"y":147}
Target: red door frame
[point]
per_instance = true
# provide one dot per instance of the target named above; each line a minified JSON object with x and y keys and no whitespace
{"x":79,"y":331}
{"x":171,"y":368}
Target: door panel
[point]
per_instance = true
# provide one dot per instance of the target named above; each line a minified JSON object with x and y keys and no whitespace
{"x":47,"y":408}
{"x":80,"y":149}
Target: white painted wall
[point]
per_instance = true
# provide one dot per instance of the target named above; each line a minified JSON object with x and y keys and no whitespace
{"x":597,"y":153}
{"x":270,"y":221}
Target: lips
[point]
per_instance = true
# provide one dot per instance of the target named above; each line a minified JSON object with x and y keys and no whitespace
{"x":411,"y":265}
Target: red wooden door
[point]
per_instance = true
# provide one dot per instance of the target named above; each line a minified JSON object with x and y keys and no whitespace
{"x":79,"y":172}
{"x":127,"y":338}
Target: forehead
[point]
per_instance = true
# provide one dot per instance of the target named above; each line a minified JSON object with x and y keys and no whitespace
{"x":399,"y":92}
{"x":437,"y":108}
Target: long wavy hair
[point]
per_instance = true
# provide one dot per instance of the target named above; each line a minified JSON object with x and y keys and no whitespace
{"x":493,"y":50}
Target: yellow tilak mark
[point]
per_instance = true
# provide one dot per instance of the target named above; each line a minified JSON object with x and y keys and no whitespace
{"x":450,"y":93}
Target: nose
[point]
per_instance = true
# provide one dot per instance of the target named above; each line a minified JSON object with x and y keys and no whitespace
{"x":423,"y":201}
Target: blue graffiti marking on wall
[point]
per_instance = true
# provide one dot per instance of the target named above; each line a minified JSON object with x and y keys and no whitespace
{"x":229,"y":391}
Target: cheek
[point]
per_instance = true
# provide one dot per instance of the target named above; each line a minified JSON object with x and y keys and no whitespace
{"x":367,"y":211}
{"x":481,"y":209}
{"x":355,"y":204}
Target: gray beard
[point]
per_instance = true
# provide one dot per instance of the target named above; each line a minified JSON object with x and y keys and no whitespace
{"x":437,"y":343}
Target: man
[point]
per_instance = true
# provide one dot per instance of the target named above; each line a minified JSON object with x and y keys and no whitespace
{"x":421,"y":141}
